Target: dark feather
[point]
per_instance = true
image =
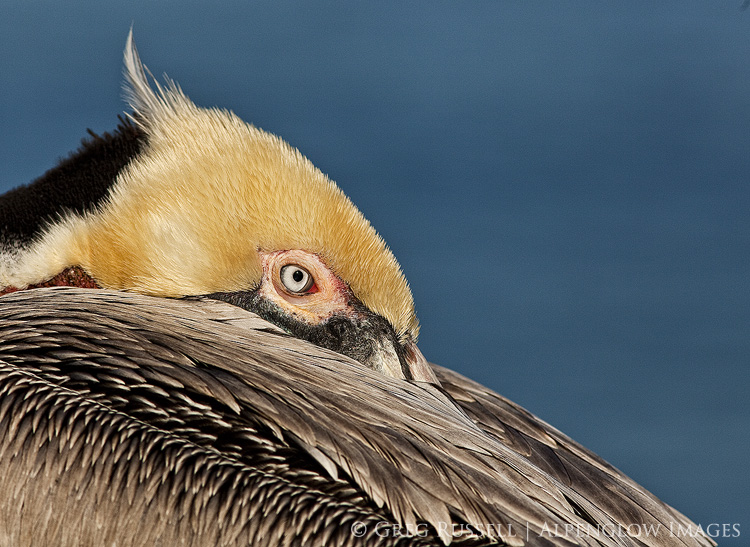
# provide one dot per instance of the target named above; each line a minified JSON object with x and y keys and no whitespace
{"x":77,"y":184}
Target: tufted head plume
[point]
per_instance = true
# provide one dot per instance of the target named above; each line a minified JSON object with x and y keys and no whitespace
{"x":209,"y":194}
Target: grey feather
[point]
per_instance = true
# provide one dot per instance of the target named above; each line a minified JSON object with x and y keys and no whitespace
{"x":131,"y":420}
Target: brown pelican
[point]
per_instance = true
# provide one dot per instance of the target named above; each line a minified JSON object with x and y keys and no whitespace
{"x":220,"y":350}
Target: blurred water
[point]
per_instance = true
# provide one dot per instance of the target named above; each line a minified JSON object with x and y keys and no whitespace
{"x":566,"y":186}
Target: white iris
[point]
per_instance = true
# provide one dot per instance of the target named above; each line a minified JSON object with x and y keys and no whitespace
{"x":295,"y":278}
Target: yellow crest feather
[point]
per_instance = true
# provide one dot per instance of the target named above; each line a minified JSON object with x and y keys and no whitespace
{"x":189,"y":215}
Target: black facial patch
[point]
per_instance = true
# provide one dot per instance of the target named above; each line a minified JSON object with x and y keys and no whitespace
{"x":356,"y":337}
{"x":77,"y":184}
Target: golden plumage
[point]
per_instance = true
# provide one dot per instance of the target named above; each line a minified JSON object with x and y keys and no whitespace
{"x":190,"y":214}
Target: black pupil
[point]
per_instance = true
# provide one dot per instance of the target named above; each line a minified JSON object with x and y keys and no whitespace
{"x":298,"y":275}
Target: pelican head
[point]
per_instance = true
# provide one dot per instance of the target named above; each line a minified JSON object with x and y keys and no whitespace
{"x":210,"y":205}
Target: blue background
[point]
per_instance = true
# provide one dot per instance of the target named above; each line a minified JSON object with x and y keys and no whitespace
{"x":564,"y":184}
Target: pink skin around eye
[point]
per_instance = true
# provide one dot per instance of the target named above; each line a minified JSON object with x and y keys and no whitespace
{"x":328,"y":295}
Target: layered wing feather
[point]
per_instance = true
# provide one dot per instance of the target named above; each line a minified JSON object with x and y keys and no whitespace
{"x":138,"y":419}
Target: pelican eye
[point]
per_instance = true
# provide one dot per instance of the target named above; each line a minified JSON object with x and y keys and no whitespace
{"x":296,"y":279}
